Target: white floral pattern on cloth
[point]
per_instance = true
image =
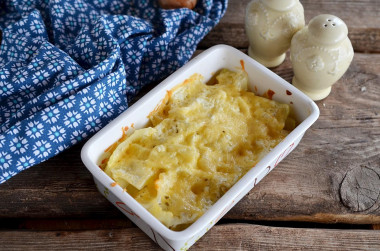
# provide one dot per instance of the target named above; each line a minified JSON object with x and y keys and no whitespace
{"x":68,"y":67}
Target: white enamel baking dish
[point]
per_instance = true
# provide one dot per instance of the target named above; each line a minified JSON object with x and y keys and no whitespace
{"x":260,"y":79}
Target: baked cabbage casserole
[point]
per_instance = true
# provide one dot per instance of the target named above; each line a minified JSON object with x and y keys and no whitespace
{"x":200,"y":141}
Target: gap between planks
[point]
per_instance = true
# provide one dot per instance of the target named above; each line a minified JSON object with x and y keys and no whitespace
{"x":73,"y":224}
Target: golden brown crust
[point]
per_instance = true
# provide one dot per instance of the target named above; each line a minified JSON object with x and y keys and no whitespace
{"x":175,"y":4}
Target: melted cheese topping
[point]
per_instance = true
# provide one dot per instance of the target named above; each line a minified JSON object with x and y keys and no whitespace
{"x":202,"y":139}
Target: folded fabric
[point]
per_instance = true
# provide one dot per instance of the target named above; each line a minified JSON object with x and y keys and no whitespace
{"x":68,"y":67}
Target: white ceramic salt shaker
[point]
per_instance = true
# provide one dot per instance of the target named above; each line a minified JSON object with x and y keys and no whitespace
{"x":320,"y":54}
{"x":270,"y":26}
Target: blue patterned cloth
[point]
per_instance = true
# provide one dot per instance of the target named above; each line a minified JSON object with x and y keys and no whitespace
{"x":68,"y":67}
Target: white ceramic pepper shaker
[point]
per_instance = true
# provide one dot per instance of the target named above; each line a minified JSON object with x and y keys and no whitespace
{"x":270,"y":26}
{"x":320,"y":54}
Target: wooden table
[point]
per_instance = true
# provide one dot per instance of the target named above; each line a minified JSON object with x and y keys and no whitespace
{"x":324,"y":195}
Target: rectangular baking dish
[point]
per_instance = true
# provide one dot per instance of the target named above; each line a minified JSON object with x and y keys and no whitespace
{"x":207,"y":63}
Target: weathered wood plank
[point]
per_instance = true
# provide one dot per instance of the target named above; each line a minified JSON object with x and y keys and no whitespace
{"x":304,"y":187}
{"x":220,"y":237}
{"x":360,"y":189}
{"x":363,"y":13}
{"x":345,"y":137}
{"x":364,"y":40}
{"x":361,"y":18}
{"x":65,"y":224}
{"x":59,"y":187}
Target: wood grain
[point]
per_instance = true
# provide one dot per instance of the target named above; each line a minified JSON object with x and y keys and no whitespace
{"x":363,"y":13}
{"x":346,"y":136}
{"x":220,"y":237}
{"x":361,"y":17}
{"x":360,"y":189}
{"x":65,"y":224}
{"x":304,"y":187}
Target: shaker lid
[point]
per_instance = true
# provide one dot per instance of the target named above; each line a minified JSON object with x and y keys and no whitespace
{"x":327,"y":29}
{"x":280,"y":5}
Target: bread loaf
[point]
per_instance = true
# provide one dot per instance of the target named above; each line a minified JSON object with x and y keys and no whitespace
{"x":175,"y":4}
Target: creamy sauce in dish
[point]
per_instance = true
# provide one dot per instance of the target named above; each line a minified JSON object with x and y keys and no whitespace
{"x":201,"y":140}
